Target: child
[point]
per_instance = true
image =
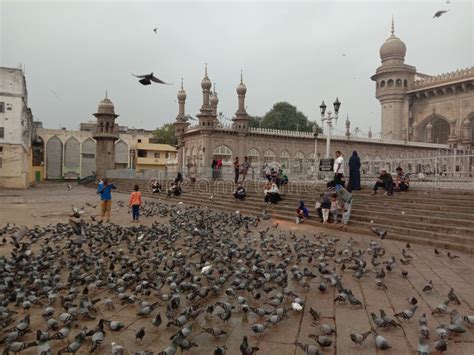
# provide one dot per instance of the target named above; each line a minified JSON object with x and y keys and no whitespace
{"x":135,"y":202}
{"x":301,"y":213}
{"x":333,"y":208}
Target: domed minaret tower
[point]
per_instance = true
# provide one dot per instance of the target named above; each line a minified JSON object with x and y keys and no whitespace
{"x":214,"y":100}
{"x":393,"y":79}
{"x":181,"y":125}
{"x":205,"y":116}
{"x":241,"y":119}
{"x":105,"y":136}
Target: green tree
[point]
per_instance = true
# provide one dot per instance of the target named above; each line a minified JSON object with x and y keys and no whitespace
{"x":255,"y":121}
{"x":287,"y":117}
{"x":165,"y":134}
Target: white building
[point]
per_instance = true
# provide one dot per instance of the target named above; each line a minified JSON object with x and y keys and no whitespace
{"x":16,"y":127}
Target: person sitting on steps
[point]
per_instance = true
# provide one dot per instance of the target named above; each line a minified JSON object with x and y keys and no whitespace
{"x":385,"y":180}
{"x":156,"y":187}
{"x":174,"y":189}
{"x":272,"y":194}
{"x":301,"y":213}
{"x":401,"y":182}
{"x":239,"y":193}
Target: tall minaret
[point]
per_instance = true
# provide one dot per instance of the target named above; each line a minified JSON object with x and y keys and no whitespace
{"x":105,"y":136}
{"x":241,"y":119}
{"x":214,"y":100}
{"x":205,"y":116}
{"x":393,"y":79}
{"x":180,"y":126}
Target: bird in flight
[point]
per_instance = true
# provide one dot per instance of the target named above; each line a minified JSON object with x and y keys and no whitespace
{"x":155,"y":30}
{"x":439,"y":13}
{"x":146,"y":79}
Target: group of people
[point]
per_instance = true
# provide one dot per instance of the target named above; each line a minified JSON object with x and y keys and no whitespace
{"x":279,"y":177}
{"x":216,"y":169}
{"x":241,"y":169}
{"x":354,"y":172}
{"x":400,"y":183}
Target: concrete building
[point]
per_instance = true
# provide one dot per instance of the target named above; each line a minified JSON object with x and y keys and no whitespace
{"x":420,"y":107}
{"x":16,"y":129}
{"x":155,"y":156}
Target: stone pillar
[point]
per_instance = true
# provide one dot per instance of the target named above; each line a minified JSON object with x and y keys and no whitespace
{"x":466,"y":132}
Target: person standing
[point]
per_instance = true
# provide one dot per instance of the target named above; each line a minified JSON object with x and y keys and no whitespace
{"x":135,"y":203}
{"x":236,"y":169}
{"x":214,"y":169}
{"x":245,"y":168}
{"x":346,"y":197}
{"x":104,"y":191}
{"x":354,"y":172}
{"x":338,"y":169}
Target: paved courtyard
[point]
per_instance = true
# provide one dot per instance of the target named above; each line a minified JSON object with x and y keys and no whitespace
{"x":51,"y":203}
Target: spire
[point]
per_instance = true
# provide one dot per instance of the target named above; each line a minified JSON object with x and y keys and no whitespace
{"x":182,"y":84}
{"x":106,"y":96}
{"x":393,"y":27}
{"x":241,"y":76}
{"x":205,"y":70}
{"x":214,"y":88}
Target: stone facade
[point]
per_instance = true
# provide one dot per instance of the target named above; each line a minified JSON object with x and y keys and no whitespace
{"x":295,"y":151}
{"x":420,"y":107}
{"x":16,"y":129}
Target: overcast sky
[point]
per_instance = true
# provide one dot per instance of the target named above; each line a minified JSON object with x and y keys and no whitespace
{"x":300,"y":52}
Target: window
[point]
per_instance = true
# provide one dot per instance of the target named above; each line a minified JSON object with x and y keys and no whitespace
{"x":2,"y":107}
{"x":167,"y":155}
{"x":141,"y":153}
{"x":157,"y":155}
{"x":139,"y":141}
{"x":1,"y":149}
{"x":2,"y":132}
{"x":88,"y":155}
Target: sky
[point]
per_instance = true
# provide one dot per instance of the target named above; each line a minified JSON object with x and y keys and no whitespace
{"x":299,"y":52}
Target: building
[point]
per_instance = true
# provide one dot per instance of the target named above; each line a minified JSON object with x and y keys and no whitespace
{"x":16,"y":129}
{"x":155,"y":156}
{"x":420,"y":107}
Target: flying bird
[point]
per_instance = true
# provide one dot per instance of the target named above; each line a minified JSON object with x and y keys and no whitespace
{"x":155,"y":30}
{"x":439,"y":13}
{"x":146,"y":79}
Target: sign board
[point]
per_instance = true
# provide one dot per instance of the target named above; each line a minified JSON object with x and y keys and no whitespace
{"x":326,"y":164}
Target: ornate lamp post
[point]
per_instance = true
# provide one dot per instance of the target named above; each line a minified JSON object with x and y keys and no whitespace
{"x":329,"y":118}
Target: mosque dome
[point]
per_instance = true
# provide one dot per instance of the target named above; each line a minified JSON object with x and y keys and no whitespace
{"x":106,"y":107}
{"x":206,"y":83}
{"x":393,"y":48}
{"x":181,"y":95}
{"x":241,"y":89}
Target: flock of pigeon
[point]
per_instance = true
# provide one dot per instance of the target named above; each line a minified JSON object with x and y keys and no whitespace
{"x":64,"y":287}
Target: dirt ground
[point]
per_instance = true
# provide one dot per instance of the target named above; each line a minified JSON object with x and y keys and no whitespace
{"x":51,"y":203}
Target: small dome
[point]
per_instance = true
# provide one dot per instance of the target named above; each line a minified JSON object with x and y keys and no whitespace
{"x":241,"y":89}
{"x":393,"y":48}
{"x":181,"y":95}
{"x":106,"y":107}
{"x":206,"y":83}
{"x":214,"y":99}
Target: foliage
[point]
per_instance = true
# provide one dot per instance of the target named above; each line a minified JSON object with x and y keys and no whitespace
{"x":287,"y":117}
{"x":165,"y":134}
{"x":255,"y":121}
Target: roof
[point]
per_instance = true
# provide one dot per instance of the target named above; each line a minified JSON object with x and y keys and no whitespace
{"x":156,"y":147}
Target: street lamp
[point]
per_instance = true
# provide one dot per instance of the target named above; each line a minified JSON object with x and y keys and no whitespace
{"x":329,"y":118}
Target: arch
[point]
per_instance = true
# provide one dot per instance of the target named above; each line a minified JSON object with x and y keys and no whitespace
{"x":405,"y":83}
{"x":121,"y":154}
{"x":269,"y":156}
{"x":223,"y":152}
{"x":284,"y":154}
{"x":439,"y":132}
{"x":299,"y":155}
{"x":398,"y":83}
{"x":285,"y":159}
{"x":253,"y":153}
{"x":54,"y":158}
{"x":390,"y":83}
{"x":382,"y":84}
{"x":72,"y":158}
{"x":297,"y":166}
{"x":89,"y":150}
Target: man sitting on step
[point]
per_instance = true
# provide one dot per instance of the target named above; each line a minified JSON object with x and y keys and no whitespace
{"x":385,"y":180}
{"x":239,"y":193}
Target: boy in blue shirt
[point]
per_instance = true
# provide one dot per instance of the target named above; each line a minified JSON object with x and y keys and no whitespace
{"x":104,"y":190}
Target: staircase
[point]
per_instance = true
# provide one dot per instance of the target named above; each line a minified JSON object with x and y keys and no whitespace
{"x":439,"y":218}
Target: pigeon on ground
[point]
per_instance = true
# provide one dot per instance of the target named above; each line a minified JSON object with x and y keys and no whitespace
{"x":379,"y":231}
{"x":359,"y":338}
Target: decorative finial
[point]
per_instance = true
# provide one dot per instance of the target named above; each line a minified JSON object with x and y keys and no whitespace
{"x":205,"y":70}
{"x":214,"y":87}
{"x":393,"y":27}
{"x":106,"y":94}
{"x":241,"y":76}
{"x":182,"y":84}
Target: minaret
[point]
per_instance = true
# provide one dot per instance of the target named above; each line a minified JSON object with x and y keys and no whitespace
{"x":105,"y":136}
{"x":214,"y":100}
{"x":393,"y":79}
{"x":181,"y":125}
{"x":369,"y":134}
{"x":241,"y":118}
{"x":205,"y":116}
{"x":348,"y":127}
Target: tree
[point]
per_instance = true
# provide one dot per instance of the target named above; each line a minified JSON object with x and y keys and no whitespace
{"x":286,"y":117}
{"x":255,"y":121}
{"x":165,"y":134}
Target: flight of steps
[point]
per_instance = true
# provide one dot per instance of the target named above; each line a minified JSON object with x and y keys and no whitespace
{"x":440,"y":218}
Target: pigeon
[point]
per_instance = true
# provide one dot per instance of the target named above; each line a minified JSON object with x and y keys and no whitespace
{"x":379,"y":231}
{"x":309,"y":349}
{"x":146,"y":79}
{"x":423,"y":347}
{"x":220,"y":350}
{"x":246,"y":349}
{"x":452,"y":297}
{"x":452,"y":256}
{"x":441,"y":345}
{"x":155,"y":30}
{"x":407,"y":313}
{"x":359,"y":338}
{"x":69,"y":187}
{"x":140,"y":333}
{"x":441,"y":308}
{"x":439,"y":13}
{"x":381,"y":342}
{"x":428,"y":287}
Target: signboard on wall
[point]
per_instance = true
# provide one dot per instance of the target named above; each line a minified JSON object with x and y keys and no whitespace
{"x":326,"y":164}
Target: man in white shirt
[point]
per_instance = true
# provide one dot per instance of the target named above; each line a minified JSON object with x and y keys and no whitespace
{"x":339,"y":169}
